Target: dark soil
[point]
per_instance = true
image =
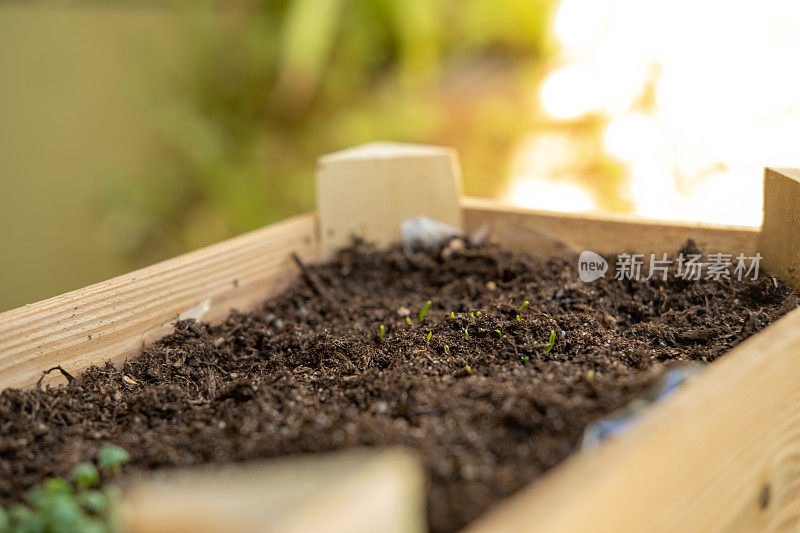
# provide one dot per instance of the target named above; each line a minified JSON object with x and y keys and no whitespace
{"x":308,"y":373}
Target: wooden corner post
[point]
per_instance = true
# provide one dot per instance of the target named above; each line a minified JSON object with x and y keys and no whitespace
{"x":368,"y":191}
{"x":779,"y":243}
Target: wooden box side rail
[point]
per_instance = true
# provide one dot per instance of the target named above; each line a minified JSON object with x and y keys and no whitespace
{"x":375,"y":491}
{"x":111,"y":320}
{"x":545,"y":233}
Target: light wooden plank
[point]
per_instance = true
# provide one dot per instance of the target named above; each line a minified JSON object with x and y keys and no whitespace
{"x":544,"y":233}
{"x":351,"y":492}
{"x":369,"y":190}
{"x":111,"y":320}
{"x":780,"y":237}
{"x":722,"y":455}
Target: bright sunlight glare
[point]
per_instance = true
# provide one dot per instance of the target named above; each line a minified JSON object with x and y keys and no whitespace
{"x":694,"y":97}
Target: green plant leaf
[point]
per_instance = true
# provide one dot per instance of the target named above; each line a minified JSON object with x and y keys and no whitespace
{"x":424,"y":310}
{"x":550,"y":342}
{"x":111,"y":457}
{"x":85,"y":475}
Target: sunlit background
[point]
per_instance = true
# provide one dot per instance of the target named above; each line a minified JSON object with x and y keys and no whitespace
{"x":132,"y":132}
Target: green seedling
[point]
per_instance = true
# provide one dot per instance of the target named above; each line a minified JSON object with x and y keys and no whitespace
{"x":428,"y":338}
{"x":111,"y":458}
{"x":466,"y":332}
{"x":478,"y":314}
{"x":524,"y":305}
{"x":452,"y":314}
{"x":518,"y":319}
{"x":526,"y":360}
{"x":590,"y":374}
{"x":468,"y":368}
{"x":447,"y":349}
{"x":424,"y":310}
{"x":472,"y":314}
{"x":551,"y":341}
{"x":381,"y":332}
{"x":95,"y":501}
{"x":85,"y":476}
{"x":61,"y":505}
{"x":408,"y":320}
{"x":499,"y":333}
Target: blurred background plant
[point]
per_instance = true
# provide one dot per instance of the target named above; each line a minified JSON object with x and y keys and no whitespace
{"x":232,"y":104}
{"x":270,"y":85}
{"x":133,"y":132}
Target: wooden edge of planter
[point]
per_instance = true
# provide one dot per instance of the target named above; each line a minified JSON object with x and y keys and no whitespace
{"x":545,"y":233}
{"x":113,"y":319}
{"x":359,"y":492}
{"x":780,"y":238}
{"x":371,"y":189}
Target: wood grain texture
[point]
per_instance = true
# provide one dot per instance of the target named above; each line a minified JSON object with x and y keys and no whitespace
{"x":369,"y":190}
{"x":723,"y":454}
{"x":780,"y":237}
{"x":351,"y":492}
{"x":113,"y":319}
{"x":544,"y":233}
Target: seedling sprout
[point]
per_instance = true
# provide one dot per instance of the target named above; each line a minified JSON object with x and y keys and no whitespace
{"x":77,"y":504}
{"x":111,"y":457}
{"x":424,"y":310}
{"x":551,"y":342}
{"x":381,"y":332}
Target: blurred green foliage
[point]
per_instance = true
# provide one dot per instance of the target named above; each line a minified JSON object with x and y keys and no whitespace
{"x":79,"y":504}
{"x":269,"y":85}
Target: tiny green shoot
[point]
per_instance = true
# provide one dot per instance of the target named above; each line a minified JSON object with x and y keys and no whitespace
{"x":466,"y":332}
{"x":477,"y":314}
{"x":381,"y":332}
{"x":452,"y":314}
{"x":526,"y":360}
{"x":590,"y":374}
{"x":468,"y":368}
{"x":518,"y":318}
{"x":85,"y":476}
{"x":424,"y":310}
{"x":408,"y":320}
{"x":428,"y":338}
{"x":524,"y":305}
{"x":447,"y":349}
{"x":111,"y":457}
{"x":499,"y":333}
{"x":472,"y":314}
{"x":551,"y":341}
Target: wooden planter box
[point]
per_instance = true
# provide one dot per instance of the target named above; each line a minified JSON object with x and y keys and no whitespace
{"x":721,"y":453}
